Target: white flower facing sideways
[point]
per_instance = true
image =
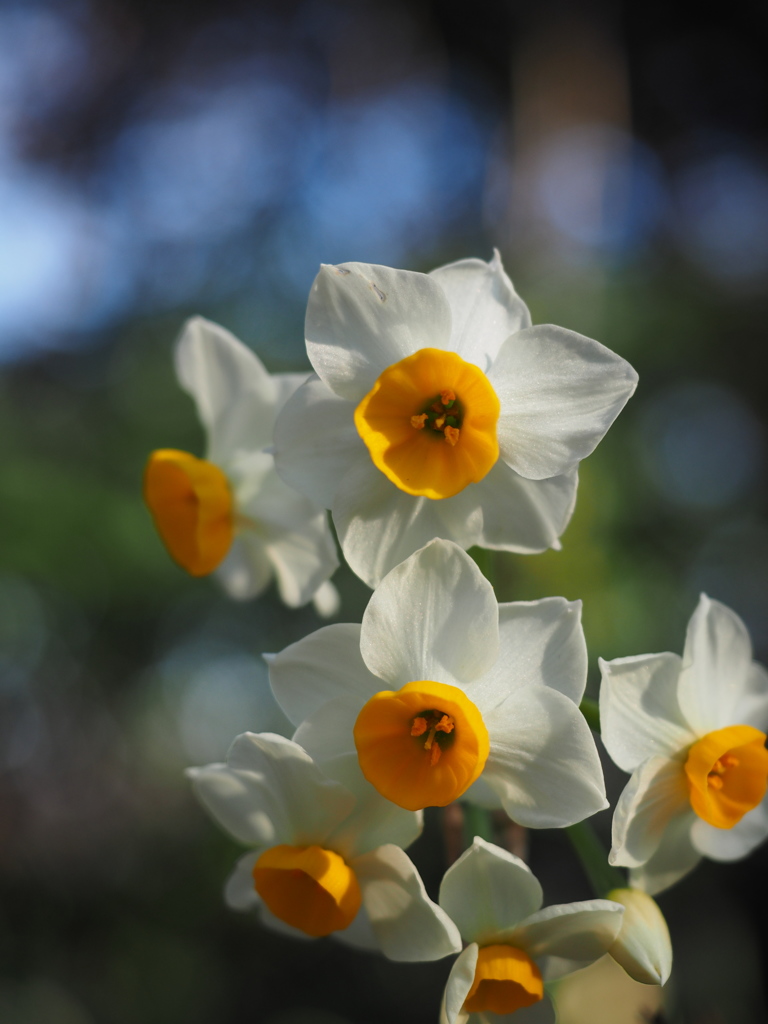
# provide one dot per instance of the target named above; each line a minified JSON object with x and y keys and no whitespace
{"x":230,"y":512}
{"x":691,"y":731}
{"x":441,"y":693}
{"x":514,"y":946}
{"x":326,"y":860}
{"x":439,"y":411}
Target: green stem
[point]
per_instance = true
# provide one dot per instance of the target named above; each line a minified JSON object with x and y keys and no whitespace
{"x":477,"y":822}
{"x":594,"y":859}
{"x":591,"y":711}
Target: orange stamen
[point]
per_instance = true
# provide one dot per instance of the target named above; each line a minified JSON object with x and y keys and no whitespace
{"x":419,"y":421}
{"x":419,"y":727}
{"x":447,"y":396}
{"x":446,"y":724}
{"x":451,"y":436}
{"x":434,"y":757}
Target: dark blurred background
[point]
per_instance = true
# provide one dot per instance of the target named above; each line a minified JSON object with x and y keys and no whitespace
{"x":163,"y":159}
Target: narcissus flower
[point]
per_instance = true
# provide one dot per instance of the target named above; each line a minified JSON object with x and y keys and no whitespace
{"x":692,"y":732}
{"x":443,"y":693}
{"x":230,"y":512}
{"x":439,"y":411}
{"x":514,"y":946}
{"x":642,"y":947}
{"x":326,"y":860}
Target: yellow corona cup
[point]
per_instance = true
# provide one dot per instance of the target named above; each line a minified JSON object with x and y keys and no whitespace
{"x":191,"y":504}
{"x":727,"y":773}
{"x":506,"y":979}
{"x":429,"y":423}
{"x":421,"y":746}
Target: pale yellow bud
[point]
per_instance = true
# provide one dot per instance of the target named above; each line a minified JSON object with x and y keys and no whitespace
{"x":642,"y":947}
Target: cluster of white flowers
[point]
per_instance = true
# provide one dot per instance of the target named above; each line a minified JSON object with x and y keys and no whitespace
{"x":438,"y":419}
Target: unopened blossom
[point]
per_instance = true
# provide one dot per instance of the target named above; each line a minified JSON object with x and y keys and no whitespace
{"x":643,"y":946}
{"x":325,"y":860}
{"x":442,"y":692}
{"x":230,"y":513}
{"x":692,"y":732}
{"x":439,"y":411}
{"x":514,"y":945}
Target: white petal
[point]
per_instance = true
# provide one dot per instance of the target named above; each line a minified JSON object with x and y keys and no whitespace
{"x":435,"y":617}
{"x":732,"y":843}
{"x":559,"y":394}
{"x":674,"y":858}
{"x":263,"y":499}
{"x":327,"y":736}
{"x":575,"y":931}
{"x":640,"y":715}
{"x":379,"y":526}
{"x":303,"y":561}
{"x":361,"y":318}
{"x":234,"y":394}
{"x":656,"y":794}
{"x":246,"y":571}
{"x":543,"y":760}
{"x":326,"y":600}
{"x":270,"y":792}
{"x":322,"y":666}
{"x":483,"y":794}
{"x":487,"y":891}
{"x":374,"y":822}
{"x":316,"y":441}
{"x":485,"y":308}
{"x":457,"y":989}
{"x":278,"y":522}
{"x":717,"y":659}
{"x":239,"y":892}
{"x":541,"y":643}
{"x":359,"y":934}
{"x":643,"y":946}
{"x":286,"y":385}
{"x":752,"y":707}
{"x":238,"y":801}
{"x":506,"y":512}
{"x":408,"y":925}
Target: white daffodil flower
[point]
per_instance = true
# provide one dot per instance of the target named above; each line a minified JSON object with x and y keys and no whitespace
{"x":691,"y":731}
{"x":514,"y":946}
{"x":326,"y":860}
{"x":439,"y":411}
{"x":442,"y":692}
{"x":643,"y":946}
{"x":230,"y":512}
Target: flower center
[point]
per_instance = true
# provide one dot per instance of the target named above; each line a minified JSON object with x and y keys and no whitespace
{"x":421,"y":746}
{"x":506,"y":979}
{"x":727,"y":773}
{"x":444,"y":415}
{"x":433,"y":723}
{"x":429,"y":423}
{"x":309,"y":888}
{"x":191,"y":505}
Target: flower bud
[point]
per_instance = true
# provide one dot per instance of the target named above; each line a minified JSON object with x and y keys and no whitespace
{"x":642,"y":947}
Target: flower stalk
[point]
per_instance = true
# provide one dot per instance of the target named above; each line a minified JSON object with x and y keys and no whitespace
{"x":594,"y":859}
